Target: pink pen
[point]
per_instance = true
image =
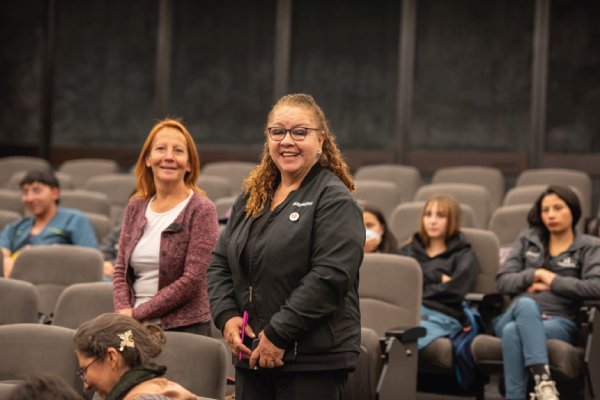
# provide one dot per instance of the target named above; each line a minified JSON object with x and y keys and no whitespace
{"x":244,"y":323}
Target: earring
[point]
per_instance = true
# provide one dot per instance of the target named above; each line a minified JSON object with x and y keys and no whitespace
{"x":318,"y":153}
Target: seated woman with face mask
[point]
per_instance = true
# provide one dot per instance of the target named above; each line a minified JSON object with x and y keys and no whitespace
{"x":379,"y":238}
{"x":450,"y":268}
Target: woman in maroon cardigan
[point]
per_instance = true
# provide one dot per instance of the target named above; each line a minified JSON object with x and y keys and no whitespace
{"x":169,"y":231}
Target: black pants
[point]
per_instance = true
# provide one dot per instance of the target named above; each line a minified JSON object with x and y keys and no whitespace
{"x":280,"y":385}
{"x":201,"y":328}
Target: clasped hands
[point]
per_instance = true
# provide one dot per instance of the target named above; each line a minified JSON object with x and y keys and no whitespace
{"x":266,"y":354}
{"x":542,"y":279}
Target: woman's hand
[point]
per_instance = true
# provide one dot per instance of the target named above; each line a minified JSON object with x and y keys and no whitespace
{"x":544,"y":276}
{"x":372,"y":243}
{"x":125,"y":311}
{"x":267,"y":354}
{"x":232,"y":332}
{"x":537,"y":287}
{"x":445,"y":278}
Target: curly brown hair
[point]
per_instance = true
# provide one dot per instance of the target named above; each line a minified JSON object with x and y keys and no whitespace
{"x":259,"y":186}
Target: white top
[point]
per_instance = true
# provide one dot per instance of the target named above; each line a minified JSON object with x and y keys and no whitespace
{"x":145,"y":257}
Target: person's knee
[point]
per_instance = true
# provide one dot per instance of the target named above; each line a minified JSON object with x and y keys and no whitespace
{"x":510,"y":333}
{"x":526,"y":304}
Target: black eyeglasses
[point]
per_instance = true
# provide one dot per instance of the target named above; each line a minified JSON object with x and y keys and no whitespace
{"x":297,"y":134}
{"x":81,"y":372}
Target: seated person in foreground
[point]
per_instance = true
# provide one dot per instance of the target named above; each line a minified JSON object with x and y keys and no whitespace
{"x":44,"y":387}
{"x":115,"y":355}
{"x":49,"y":224}
{"x":450,"y":267}
{"x":549,"y":271}
{"x":379,"y":238}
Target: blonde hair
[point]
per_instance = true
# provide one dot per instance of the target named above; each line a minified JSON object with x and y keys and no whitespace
{"x":144,"y":183}
{"x":448,"y":204}
{"x":259,"y":186}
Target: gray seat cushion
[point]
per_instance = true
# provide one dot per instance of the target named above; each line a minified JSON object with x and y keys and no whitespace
{"x":437,"y":357}
{"x":566,"y":360}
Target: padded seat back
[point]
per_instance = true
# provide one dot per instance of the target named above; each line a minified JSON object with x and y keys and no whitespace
{"x":234,"y":171}
{"x":52,"y":268}
{"x":18,"y":302}
{"x":385,"y":195}
{"x":491,"y":178}
{"x":82,"y":302}
{"x":476,"y":196}
{"x":118,"y":188}
{"x":10,"y":165}
{"x":198,"y":363}
{"x":406,"y":217}
{"x":10,"y":200}
{"x":81,"y":170}
{"x":215,"y":187}
{"x":390,"y":292}
{"x":6,"y":217}
{"x":487,"y":248}
{"x":64,"y":180}
{"x":85,"y":201}
{"x":508,"y":222}
{"x":406,"y":178}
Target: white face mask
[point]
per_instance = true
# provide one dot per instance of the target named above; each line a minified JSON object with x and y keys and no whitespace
{"x":372,"y":234}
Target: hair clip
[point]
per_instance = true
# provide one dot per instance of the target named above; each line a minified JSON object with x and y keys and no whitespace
{"x":126,"y":340}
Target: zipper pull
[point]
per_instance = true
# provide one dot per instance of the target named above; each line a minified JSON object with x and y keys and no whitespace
{"x":250,"y":293}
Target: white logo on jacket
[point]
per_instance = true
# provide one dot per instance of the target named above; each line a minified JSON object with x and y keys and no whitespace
{"x":306,"y":203}
{"x":531,"y":253}
{"x":566,"y":263}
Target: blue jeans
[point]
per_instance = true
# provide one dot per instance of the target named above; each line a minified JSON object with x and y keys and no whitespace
{"x":524,"y":333}
{"x":437,"y":324}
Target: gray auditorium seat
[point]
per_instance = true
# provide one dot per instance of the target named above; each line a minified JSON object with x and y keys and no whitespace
{"x":86,"y":201}
{"x":82,"y":302}
{"x":406,"y":217}
{"x":52,"y":268}
{"x":558,"y":176}
{"x":64,"y":180}
{"x":390,"y":295}
{"x":507,"y":222}
{"x":223,"y":205}
{"x":215,"y":187}
{"x":10,"y":200}
{"x":18,"y":302}
{"x":10,"y":165}
{"x":405,"y":177}
{"x":491,"y":178}
{"x":101,"y":223}
{"x":385,"y":195}
{"x":476,"y":196}
{"x":83,"y":169}
{"x":118,"y":188}
{"x":529,"y":194}
{"x":198,"y":363}
{"x":6,"y":217}
{"x":36,"y":349}
{"x":234,"y":171}
{"x":6,"y":390}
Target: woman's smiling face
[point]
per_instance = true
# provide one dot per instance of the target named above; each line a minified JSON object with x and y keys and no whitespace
{"x":295,"y":158}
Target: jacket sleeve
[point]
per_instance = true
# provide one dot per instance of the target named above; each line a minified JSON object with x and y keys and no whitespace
{"x":429,"y":276}
{"x":82,"y":232}
{"x":221,"y":291}
{"x":107,"y":246}
{"x":337,"y":253}
{"x":122,"y":292}
{"x":463,"y":281}
{"x":513,"y":277}
{"x":586,"y":288}
{"x":203,"y":237}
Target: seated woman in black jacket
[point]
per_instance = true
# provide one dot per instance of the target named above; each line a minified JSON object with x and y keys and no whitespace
{"x":450,"y":267}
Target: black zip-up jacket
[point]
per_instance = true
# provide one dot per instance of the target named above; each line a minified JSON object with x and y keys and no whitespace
{"x":459,"y":262}
{"x":577,"y":273}
{"x":302,"y":289}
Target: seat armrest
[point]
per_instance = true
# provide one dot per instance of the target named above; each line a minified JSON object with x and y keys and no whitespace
{"x":591,"y":304}
{"x":406,"y":334}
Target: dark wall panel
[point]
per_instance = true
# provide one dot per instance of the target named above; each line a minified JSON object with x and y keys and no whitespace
{"x":473,"y":75}
{"x":573,"y":116}
{"x":21,"y":44}
{"x":222,"y":80}
{"x":105,"y":72}
{"x":345,"y":53}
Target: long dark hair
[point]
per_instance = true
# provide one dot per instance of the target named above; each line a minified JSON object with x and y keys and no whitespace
{"x":534,"y":218}
{"x":388,"y":244}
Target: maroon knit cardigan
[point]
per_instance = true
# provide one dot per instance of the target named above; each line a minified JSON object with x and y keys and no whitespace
{"x":185,"y":252}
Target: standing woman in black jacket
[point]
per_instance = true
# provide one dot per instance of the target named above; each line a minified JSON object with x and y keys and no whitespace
{"x":450,"y":267}
{"x":289,"y":257}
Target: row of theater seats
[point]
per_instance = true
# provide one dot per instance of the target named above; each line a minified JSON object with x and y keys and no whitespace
{"x":64,"y":280}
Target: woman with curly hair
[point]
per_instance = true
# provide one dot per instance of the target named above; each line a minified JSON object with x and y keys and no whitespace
{"x":289,"y":258}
